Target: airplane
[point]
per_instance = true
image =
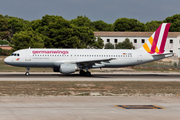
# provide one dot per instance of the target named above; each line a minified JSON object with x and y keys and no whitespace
{"x":68,"y":61}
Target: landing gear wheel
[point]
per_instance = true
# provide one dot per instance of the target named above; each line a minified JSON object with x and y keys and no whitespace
{"x":27,"y":73}
{"x":88,"y":73}
{"x":82,"y":72}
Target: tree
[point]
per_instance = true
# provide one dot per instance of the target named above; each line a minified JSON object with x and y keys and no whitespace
{"x":109,"y":46}
{"x":126,"y":44}
{"x":14,"y":25}
{"x":126,"y":24}
{"x":3,"y":27}
{"x":26,"y":39}
{"x":99,"y":43}
{"x":174,"y":20}
{"x":175,"y":27}
{"x":60,"y":33}
{"x":82,"y":21}
{"x":102,"y":26}
{"x":152,"y":26}
{"x":4,"y":42}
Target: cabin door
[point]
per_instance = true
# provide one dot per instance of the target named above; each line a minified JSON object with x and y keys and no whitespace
{"x":139,"y":56}
{"x":28,"y":55}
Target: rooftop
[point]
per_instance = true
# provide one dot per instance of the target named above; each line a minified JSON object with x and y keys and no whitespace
{"x":130,"y":34}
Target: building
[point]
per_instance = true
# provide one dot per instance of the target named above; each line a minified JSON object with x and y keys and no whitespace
{"x":139,"y":38}
{"x":6,"y":47}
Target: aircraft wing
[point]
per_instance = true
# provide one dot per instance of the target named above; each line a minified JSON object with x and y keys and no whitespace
{"x":93,"y":63}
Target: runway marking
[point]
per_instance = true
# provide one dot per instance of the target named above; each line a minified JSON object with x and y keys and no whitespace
{"x":139,"y":107}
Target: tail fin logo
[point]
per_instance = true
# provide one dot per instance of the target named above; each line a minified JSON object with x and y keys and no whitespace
{"x":157,"y":41}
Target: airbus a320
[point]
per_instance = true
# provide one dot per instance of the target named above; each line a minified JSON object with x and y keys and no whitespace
{"x":68,"y":61}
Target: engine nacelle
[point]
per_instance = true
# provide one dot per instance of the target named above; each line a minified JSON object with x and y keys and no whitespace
{"x":68,"y":68}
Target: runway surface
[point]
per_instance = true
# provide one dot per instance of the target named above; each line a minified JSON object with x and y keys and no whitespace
{"x":118,"y":76}
{"x":87,"y":108}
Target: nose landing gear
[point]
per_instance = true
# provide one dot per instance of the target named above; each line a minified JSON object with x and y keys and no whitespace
{"x":27,"y":72}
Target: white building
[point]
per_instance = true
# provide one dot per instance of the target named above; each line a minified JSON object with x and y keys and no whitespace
{"x":139,"y":38}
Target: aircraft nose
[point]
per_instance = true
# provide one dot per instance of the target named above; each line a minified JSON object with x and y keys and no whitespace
{"x":7,"y":60}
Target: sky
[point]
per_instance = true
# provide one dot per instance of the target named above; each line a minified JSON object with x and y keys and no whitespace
{"x":107,"y":10}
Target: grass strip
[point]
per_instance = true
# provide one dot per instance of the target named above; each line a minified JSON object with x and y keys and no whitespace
{"x":85,"y":88}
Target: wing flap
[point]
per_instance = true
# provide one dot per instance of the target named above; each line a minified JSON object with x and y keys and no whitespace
{"x":94,"y":61}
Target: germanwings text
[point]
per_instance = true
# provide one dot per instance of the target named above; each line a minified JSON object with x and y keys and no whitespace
{"x":50,"y":52}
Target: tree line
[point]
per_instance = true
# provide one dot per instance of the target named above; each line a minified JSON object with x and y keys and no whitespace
{"x":56,"y":32}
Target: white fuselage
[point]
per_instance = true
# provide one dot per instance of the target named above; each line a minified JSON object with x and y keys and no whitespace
{"x":56,"y":57}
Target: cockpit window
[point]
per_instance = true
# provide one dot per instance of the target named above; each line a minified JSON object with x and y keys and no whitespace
{"x":15,"y":54}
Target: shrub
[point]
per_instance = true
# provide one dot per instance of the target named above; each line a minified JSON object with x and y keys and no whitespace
{"x":5,"y":52}
{"x":4,"y":42}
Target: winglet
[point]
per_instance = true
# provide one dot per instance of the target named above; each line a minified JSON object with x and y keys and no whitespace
{"x":157,"y":41}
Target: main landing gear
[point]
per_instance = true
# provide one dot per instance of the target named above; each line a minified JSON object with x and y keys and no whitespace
{"x":27,"y":72}
{"x":83,"y":73}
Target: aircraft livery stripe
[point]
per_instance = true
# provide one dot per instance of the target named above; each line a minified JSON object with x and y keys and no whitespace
{"x":146,"y":47}
{"x":157,"y":50}
{"x":161,"y":35}
{"x":148,"y":44}
{"x":151,"y":40}
{"x":156,"y":36}
{"x":164,"y":39}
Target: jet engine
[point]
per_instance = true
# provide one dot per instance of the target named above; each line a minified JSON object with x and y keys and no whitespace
{"x":66,"y":68}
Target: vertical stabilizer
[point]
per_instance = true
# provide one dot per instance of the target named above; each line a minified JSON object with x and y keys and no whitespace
{"x":157,"y":41}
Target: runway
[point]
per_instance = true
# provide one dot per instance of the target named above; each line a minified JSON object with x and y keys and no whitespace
{"x":87,"y":108}
{"x":116,"y":76}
